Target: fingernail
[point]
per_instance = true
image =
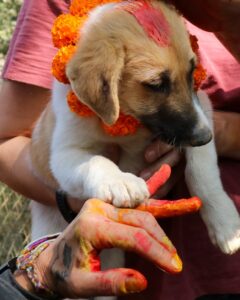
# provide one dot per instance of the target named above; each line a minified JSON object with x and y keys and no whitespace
{"x":177,"y":263}
{"x":135,"y":285}
{"x":168,"y":243}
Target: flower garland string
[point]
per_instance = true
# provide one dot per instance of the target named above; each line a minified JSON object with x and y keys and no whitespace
{"x":65,"y":35}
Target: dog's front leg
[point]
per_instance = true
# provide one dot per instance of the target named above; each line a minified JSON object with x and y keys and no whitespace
{"x":218,"y":211}
{"x":84,"y":175}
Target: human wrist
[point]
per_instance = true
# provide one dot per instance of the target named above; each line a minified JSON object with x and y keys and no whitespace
{"x":75,"y":204}
{"x":43,"y":272}
{"x":33,"y":267}
{"x":23,"y":281}
{"x":68,"y":206}
{"x":43,"y":268}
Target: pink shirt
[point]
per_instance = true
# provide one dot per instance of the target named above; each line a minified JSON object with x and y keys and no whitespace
{"x":31,"y":50}
{"x":223,"y":82}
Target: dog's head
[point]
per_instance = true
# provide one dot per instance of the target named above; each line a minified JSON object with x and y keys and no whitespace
{"x":119,"y":66}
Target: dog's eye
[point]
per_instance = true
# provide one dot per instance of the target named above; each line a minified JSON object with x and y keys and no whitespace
{"x":161,"y":86}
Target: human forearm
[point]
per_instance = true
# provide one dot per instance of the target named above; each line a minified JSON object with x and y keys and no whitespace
{"x":16,"y":172}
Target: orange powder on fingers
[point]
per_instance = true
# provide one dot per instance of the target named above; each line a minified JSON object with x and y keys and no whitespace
{"x":123,"y":281}
{"x":158,"y":178}
{"x":134,"y":283}
{"x":167,"y":208}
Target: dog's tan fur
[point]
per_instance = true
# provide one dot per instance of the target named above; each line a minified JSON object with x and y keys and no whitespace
{"x":40,"y":147}
{"x":126,"y":66}
{"x":124,"y":69}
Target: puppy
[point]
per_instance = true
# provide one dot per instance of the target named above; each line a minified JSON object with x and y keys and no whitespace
{"x":120,"y":65}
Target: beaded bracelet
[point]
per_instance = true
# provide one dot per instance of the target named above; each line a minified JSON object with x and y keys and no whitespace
{"x":25,"y":261}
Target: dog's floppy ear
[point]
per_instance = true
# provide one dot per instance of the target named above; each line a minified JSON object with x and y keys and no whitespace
{"x":94,"y":73}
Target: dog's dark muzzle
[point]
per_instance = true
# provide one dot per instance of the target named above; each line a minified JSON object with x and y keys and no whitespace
{"x":173,"y":129}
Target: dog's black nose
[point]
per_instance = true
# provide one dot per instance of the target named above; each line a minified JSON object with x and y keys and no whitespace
{"x":201,"y":137}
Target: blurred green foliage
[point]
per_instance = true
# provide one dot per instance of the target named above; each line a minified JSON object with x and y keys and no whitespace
{"x":8,"y":15}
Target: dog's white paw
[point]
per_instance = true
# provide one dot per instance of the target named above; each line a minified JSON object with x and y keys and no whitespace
{"x":120,"y":189}
{"x":227,"y":240}
{"x":223,"y":226}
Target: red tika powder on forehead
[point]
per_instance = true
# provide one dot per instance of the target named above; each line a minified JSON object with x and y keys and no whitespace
{"x":151,"y":19}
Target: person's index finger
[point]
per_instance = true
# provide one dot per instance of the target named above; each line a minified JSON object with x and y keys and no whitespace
{"x":131,"y":230}
{"x":132,"y":217}
{"x":171,"y":208}
{"x":112,"y":234}
{"x":158,"y":179}
{"x":143,"y":220}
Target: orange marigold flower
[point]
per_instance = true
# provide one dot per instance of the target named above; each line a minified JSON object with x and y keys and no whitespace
{"x":109,"y":1}
{"x":125,"y":125}
{"x":78,"y":107}
{"x":66,"y":30}
{"x":82,"y":7}
{"x":199,"y":75}
{"x":60,"y":61}
{"x":194,"y":43}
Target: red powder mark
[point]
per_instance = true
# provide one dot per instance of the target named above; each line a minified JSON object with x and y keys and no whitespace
{"x":94,"y":262}
{"x":151,"y":19}
{"x":143,"y":241}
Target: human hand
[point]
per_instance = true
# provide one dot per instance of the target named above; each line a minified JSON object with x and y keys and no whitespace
{"x":157,"y":154}
{"x":70,"y":266}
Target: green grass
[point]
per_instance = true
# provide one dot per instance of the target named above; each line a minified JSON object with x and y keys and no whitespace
{"x":15,"y":223}
{"x":8,"y":15}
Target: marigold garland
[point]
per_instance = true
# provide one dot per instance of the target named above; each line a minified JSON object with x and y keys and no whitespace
{"x":199,"y":76}
{"x":200,"y":73}
{"x":82,"y":8}
{"x":78,"y":107}
{"x":59,"y":63}
{"x":65,"y":35}
{"x":125,"y":125}
{"x":66,"y":31}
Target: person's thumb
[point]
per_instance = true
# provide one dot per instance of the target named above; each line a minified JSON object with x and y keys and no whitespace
{"x":112,"y":282}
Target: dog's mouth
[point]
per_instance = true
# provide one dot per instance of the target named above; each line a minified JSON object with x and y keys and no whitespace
{"x":180,"y":142}
{"x":180,"y":134}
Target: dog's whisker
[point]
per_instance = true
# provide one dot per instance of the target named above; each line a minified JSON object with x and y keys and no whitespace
{"x":181,"y":149}
{"x":174,"y":141}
